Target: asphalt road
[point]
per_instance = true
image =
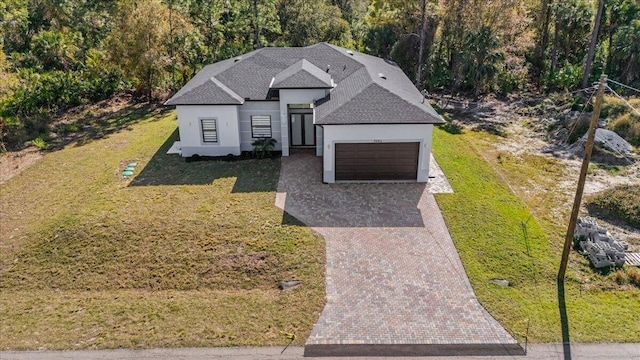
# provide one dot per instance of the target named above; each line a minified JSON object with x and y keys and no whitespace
{"x":535,"y":351}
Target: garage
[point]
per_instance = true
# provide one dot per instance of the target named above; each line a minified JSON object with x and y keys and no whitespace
{"x":376,"y":161}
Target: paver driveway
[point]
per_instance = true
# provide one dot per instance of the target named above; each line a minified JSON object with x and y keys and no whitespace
{"x":395,"y":283}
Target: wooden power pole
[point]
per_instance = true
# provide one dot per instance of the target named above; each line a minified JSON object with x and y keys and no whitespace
{"x":583,"y":175}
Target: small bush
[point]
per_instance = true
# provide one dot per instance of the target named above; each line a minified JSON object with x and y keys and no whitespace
{"x":70,"y":128}
{"x":626,"y":276}
{"x":613,"y":107}
{"x":508,"y":82}
{"x":263,"y":147}
{"x":633,"y":274}
{"x":40,"y":142}
{"x":620,"y":277}
{"x":628,"y":127}
{"x":580,"y":127}
{"x":621,"y":203}
{"x":451,"y":127}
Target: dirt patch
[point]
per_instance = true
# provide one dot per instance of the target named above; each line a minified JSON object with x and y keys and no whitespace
{"x":79,"y":125}
{"x":14,"y":162}
{"x":529,"y":125}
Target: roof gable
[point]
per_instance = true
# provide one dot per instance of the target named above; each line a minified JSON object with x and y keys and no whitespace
{"x":364,"y":88}
{"x":302,"y":75}
{"x":377,"y":105}
{"x":209,"y":92}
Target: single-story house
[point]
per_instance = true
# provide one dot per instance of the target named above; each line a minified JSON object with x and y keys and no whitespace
{"x":359,"y":112}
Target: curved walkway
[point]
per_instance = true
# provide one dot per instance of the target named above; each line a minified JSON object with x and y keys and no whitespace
{"x":395,"y":283}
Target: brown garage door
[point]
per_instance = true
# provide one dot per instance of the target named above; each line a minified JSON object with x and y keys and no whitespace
{"x":377,"y":161}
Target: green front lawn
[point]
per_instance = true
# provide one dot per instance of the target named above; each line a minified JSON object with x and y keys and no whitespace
{"x":497,"y":236}
{"x":184,"y":254}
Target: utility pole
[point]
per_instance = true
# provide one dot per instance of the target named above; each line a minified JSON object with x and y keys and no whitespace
{"x":583,"y":175}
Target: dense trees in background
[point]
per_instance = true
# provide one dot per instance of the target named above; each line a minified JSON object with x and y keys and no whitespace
{"x":58,"y":54}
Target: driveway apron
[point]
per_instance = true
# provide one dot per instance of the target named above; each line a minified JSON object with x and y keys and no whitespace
{"x":395,"y":282}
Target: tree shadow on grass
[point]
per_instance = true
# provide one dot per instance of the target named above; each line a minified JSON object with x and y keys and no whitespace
{"x":98,"y":122}
{"x":250,"y":175}
{"x":564,"y":321}
{"x":476,"y":119}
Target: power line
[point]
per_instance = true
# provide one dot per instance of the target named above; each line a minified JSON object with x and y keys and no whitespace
{"x":623,"y":85}
{"x":585,"y":90}
{"x":625,"y":157}
{"x":575,"y":124}
{"x":623,"y":99}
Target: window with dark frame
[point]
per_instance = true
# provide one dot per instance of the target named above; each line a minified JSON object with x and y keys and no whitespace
{"x":260,"y":126}
{"x":209,"y":130}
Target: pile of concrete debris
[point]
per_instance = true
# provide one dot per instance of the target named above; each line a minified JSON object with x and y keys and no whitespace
{"x":601,"y":248}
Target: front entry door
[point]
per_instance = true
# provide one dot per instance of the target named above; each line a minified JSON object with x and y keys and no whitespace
{"x":302,"y":130}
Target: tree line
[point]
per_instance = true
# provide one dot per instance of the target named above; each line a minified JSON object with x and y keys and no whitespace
{"x":57,"y":54}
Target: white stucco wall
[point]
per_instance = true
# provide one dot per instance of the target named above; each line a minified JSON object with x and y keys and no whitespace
{"x":333,"y":134}
{"x":191,"y":131}
{"x":295,"y":96}
{"x":319,"y":141}
{"x":271,"y":108}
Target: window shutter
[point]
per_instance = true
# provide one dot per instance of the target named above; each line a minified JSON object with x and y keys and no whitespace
{"x":261,"y":126}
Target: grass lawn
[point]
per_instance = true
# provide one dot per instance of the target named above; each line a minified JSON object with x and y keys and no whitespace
{"x":182,"y":255}
{"x":498,"y":235}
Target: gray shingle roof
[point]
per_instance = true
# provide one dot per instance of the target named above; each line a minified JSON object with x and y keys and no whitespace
{"x":360,"y":95}
{"x":302,"y":75}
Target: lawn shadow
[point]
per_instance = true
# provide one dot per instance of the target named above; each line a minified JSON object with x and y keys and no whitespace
{"x":84,"y":126}
{"x":476,"y":119}
{"x":564,"y":321}
{"x":251,"y":175}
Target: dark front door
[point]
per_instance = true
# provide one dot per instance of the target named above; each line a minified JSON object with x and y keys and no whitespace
{"x":377,"y":161}
{"x":302,"y":132}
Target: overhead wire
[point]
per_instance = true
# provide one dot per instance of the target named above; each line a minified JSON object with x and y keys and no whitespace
{"x":623,"y":99}
{"x":623,"y":85}
{"x":585,"y":90}
{"x":578,"y":118}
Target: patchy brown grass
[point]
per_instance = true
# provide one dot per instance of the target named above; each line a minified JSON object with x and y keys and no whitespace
{"x":183,"y":254}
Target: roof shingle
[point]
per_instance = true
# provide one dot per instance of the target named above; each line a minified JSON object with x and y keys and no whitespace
{"x":360,"y":95}
{"x":302,"y":75}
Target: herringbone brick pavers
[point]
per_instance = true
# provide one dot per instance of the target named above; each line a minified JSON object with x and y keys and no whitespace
{"x":393,"y":273}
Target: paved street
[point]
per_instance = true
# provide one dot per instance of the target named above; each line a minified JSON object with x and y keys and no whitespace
{"x":536,"y":352}
{"x":394,"y":278}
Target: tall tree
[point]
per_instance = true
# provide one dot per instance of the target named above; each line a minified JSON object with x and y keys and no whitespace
{"x":542,"y":42}
{"x":138,"y":42}
{"x":306,"y":22}
{"x":421,"y":51}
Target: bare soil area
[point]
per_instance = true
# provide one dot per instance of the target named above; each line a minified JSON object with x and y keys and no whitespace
{"x":14,"y":162}
{"x":78,"y":125}
{"x":522,"y":129}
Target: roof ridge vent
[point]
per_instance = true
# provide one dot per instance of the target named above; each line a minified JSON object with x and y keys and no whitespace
{"x":382,"y":76}
{"x":350,"y":52}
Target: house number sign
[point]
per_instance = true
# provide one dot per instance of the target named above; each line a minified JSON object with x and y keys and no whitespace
{"x":377,"y":141}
